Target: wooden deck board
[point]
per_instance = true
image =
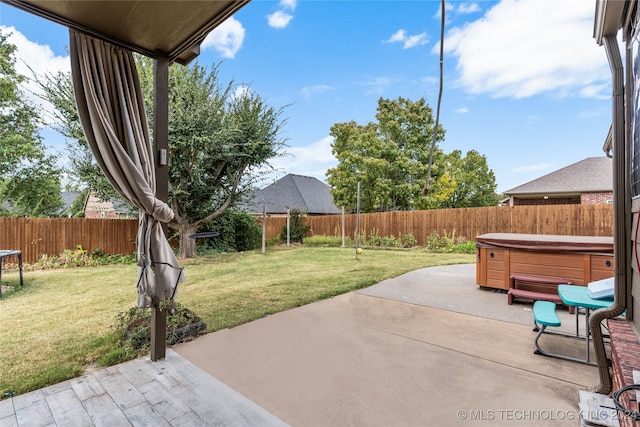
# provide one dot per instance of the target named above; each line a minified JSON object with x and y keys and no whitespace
{"x":172,"y":392}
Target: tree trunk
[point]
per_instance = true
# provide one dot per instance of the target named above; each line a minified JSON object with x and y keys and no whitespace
{"x":187,"y":248}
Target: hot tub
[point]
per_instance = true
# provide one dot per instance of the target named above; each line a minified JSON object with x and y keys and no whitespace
{"x":581,"y":259}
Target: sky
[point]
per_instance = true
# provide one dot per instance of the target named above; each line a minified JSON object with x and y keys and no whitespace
{"x":525,"y":83}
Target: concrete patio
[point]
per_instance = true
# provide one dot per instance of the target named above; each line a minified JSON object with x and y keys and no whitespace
{"x":428,"y":348}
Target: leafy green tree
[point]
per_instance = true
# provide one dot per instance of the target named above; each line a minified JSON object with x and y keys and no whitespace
{"x":389,"y":158}
{"x":77,"y":206}
{"x":29,"y":177}
{"x":469,"y":181}
{"x":219,"y":137}
{"x":84,"y":170}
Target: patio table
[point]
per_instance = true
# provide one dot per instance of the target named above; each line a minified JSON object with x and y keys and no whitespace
{"x":578,"y":296}
{"x":7,"y":253}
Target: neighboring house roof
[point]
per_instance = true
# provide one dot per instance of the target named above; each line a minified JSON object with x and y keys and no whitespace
{"x":68,"y":197}
{"x":305,"y":193}
{"x":593,"y":174}
{"x":94,"y":204}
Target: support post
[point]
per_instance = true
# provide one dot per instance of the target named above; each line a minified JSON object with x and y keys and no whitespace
{"x":288,"y":227}
{"x":264,"y":229}
{"x":343,"y":239}
{"x":161,"y":148}
{"x":358,"y":220}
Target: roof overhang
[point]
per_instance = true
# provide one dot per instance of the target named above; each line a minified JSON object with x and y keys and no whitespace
{"x":174,"y":29}
{"x":608,"y":18}
{"x":548,"y":195}
{"x":608,"y":142}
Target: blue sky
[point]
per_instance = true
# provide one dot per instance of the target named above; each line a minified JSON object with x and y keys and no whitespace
{"x":525,"y":84}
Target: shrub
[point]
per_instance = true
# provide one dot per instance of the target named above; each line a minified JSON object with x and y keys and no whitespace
{"x":79,"y":257}
{"x":408,"y":241}
{"x":134,"y":327}
{"x":239,"y":231}
{"x":390,"y":242}
{"x":450,"y":243}
{"x":373,"y":239}
{"x":436,"y":242}
{"x":468,"y":247}
{"x":299,"y":228}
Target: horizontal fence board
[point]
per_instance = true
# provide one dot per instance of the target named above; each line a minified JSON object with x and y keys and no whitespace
{"x":38,"y":236}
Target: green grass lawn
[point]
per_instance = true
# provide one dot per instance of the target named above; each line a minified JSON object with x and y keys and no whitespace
{"x":63,"y":320}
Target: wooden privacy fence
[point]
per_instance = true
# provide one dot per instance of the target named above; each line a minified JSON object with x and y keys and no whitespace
{"x":575,"y":220}
{"x":37,"y":236}
{"x":51,"y":236}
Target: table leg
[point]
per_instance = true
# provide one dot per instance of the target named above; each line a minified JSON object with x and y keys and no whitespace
{"x":20,"y":265}
{"x":587,"y":331}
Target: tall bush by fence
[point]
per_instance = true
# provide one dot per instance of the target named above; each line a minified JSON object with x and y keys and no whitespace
{"x":37,"y":236}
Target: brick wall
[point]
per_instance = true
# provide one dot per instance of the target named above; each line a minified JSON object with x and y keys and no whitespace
{"x":584,"y":199}
{"x":596,"y":198}
{"x":550,"y":201}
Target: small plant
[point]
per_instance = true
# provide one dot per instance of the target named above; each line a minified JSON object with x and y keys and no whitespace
{"x":450,"y":244}
{"x":78,"y":257}
{"x":374,"y":239}
{"x":390,"y":242}
{"x":408,"y":240}
{"x":467,"y":247}
{"x":435,"y":242}
{"x":134,"y":327}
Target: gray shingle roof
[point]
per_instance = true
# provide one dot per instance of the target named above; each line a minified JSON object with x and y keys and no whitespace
{"x":68,"y":197}
{"x":305,"y":193}
{"x":593,"y":174}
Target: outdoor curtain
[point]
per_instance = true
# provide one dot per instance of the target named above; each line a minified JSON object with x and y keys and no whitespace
{"x":111,"y":110}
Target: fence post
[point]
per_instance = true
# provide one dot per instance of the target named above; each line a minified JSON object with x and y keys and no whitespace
{"x":264,"y":229}
{"x":288,"y":227}
{"x":343,"y":245}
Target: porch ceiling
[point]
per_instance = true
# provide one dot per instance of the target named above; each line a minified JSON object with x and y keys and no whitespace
{"x":174,"y":28}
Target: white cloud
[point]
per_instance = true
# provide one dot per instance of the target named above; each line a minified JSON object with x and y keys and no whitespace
{"x":468,"y":8}
{"x":377,"y":85}
{"x":37,"y":57}
{"x":415,"y":40}
{"x":462,"y":9}
{"x":227,"y":39}
{"x":401,"y":36}
{"x":600,"y":91}
{"x":288,"y":4}
{"x":531,"y":168}
{"x":462,"y":110}
{"x":279,"y":19}
{"x":308,"y":91}
{"x":311,"y":160}
{"x":398,"y":36}
{"x":519,"y":49}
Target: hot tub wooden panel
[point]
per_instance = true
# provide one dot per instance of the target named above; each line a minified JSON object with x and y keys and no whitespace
{"x":581,"y":259}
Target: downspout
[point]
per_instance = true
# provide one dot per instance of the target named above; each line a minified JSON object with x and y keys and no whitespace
{"x":621,"y":235}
